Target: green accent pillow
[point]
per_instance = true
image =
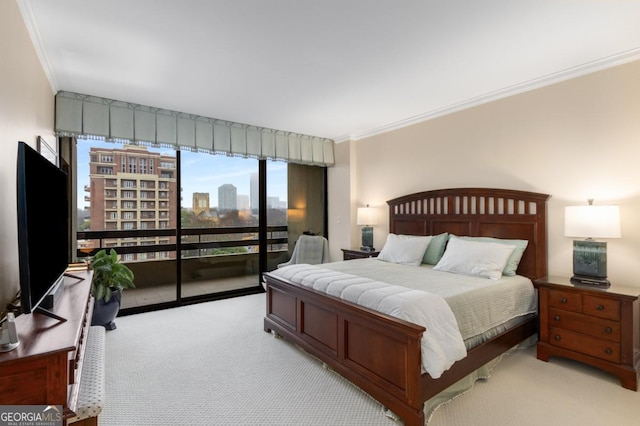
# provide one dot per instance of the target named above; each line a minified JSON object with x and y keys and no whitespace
{"x":516,"y":256}
{"x":435,"y":249}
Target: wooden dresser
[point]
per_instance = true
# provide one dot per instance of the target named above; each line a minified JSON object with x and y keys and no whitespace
{"x":45,"y":368}
{"x":597,"y":326}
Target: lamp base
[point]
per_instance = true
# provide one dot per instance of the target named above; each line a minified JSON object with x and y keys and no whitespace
{"x":590,"y":259}
{"x":367,"y":249}
{"x":367,"y":238}
{"x":591,"y":281}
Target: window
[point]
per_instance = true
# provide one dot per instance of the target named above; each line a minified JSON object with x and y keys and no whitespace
{"x":132,"y":164}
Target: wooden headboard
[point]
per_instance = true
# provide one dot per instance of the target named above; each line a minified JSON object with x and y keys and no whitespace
{"x":478,"y":212}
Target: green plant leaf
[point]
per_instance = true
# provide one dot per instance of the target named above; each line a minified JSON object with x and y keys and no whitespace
{"x":109,"y":275}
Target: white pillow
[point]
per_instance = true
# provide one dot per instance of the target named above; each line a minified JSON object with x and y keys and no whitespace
{"x":404,"y":249}
{"x":516,"y":256}
{"x":482,"y":259}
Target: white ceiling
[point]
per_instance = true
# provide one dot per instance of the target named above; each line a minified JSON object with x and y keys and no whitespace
{"x":330,"y":68}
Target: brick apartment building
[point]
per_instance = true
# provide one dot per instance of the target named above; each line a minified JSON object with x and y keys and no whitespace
{"x":133,"y":189}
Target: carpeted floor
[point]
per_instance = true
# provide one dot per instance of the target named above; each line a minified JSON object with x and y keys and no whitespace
{"x":212,"y":364}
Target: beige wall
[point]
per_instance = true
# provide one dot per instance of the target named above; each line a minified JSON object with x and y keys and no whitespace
{"x":574,"y":140}
{"x":341,"y":205}
{"x":26,"y":111}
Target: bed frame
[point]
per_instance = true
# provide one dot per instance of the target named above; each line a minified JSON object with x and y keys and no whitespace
{"x":381,"y":354}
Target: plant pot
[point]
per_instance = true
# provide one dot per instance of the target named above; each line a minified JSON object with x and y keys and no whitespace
{"x":104,"y":313}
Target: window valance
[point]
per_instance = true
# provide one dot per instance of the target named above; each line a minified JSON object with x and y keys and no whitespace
{"x":94,"y":117}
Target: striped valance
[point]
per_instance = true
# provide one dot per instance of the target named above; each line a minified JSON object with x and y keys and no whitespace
{"x":117,"y":121}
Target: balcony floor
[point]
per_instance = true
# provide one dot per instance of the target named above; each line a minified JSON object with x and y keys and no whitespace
{"x":137,"y":297}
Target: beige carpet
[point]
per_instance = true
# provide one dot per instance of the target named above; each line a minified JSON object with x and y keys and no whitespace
{"x":212,"y":364}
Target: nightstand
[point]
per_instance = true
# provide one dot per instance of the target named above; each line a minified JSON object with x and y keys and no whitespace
{"x":348,"y":254}
{"x":599,"y":327}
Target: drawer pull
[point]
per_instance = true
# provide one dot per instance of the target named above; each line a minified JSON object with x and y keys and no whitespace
{"x":556,"y":337}
{"x":608,"y":330}
{"x":608,"y":351}
{"x":600,"y":307}
{"x":563,"y":300}
{"x":557,"y":318}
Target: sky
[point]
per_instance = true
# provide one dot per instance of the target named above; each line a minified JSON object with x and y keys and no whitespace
{"x":200,"y":173}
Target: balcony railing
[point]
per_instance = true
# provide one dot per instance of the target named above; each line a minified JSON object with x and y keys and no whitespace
{"x":191,"y":239}
{"x":165,"y":277}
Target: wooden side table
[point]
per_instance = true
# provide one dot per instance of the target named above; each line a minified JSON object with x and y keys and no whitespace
{"x":348,"y":254}
{"x":596,"y":326}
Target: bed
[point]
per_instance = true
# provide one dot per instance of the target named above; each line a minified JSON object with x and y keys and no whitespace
{"x":382,"y":354}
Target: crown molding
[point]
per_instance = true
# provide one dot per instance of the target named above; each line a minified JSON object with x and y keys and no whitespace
{"x":547,"y":80}
{"x":30,"y":22}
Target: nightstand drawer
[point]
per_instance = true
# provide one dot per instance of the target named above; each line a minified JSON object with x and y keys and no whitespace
{"x":353,"y":255}
{"x":598,"y":348}
{"x":565,"y":300}
{"x":596,"y":327}
{"x":348,"y":254}
{"x":601,"y":307}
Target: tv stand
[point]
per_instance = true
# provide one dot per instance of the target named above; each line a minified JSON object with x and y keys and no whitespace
{"x":47,"y":367}
{"x":43,"y":311}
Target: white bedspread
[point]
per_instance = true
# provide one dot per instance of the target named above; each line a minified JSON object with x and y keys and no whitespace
{"x":479,"y":304}
{"x":441,"y":345}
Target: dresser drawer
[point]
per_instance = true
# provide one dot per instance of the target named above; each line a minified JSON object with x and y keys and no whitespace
{"x":565,"y":300}
{"x":596,"y":327}
{"x":599,"y":348}
{"x":601,"y":307}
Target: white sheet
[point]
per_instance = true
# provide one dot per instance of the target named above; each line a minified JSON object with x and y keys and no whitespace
{"x":441,"y":345}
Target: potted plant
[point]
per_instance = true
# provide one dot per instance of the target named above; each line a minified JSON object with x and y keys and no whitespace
{"x":110,"y":278}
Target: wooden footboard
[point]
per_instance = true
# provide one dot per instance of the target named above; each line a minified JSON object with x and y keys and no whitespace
{"x":378,"y":353}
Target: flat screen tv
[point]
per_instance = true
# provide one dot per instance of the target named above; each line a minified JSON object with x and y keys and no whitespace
{"x":43,"y":227}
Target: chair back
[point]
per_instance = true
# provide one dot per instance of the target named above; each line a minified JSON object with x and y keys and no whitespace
{"x":311,"y":249}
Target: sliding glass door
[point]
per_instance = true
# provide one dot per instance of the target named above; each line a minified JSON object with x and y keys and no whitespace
{"x":219,"y":224}
{"x":192,"y":226}
{"x":126,"y":200}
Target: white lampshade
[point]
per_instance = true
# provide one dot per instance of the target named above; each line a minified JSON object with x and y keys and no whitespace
{"x":366,"y":216}
{"x":592,"y":221}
